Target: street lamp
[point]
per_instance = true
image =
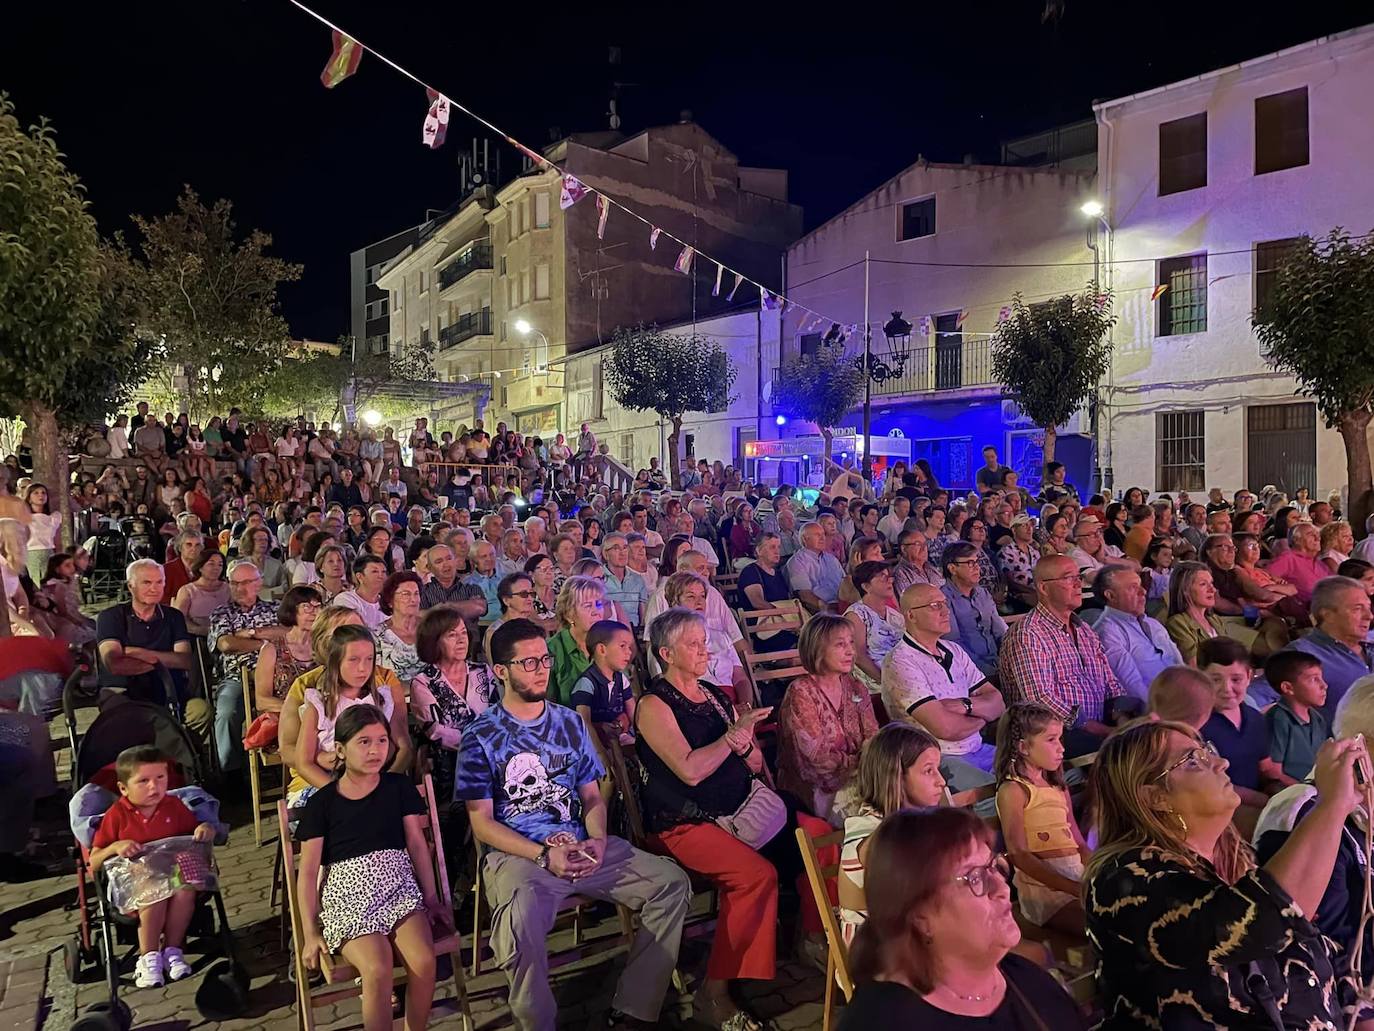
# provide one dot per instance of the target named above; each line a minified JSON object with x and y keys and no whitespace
{"x":1093,"y":211}
{"x":372,"y":417}
{"x":523,"y":327}
{"x":880,"y":370}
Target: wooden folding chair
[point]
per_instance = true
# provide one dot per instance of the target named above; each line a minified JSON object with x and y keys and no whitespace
{"x":783,"y":615}
{"x":339,"y":977}
{"x":259,"y":759}
{"x":836,"y":954}
{"x":770,"y":667}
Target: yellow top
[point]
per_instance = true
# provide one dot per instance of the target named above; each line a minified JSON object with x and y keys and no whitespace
{"x":1046,"y":818}
{"x":387,"y":683}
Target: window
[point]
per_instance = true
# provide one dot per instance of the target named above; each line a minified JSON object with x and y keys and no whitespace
{"x":541,"y":282}
{"x":512,"y":293}
{"x":515,"y":213}
{"x":1182,"y":308}
{"x":524,"y":285}
{"x":503,"y":264}
{"x":1183,"y":154}
{"x":627,"y":449}
{"x":378,"y":309}
{"x":378,"y":344}
{"x":599,"y":393}
{"x":1180,"y":457}
{"x":1268,"y":257}
{"x":424,"y":337}
{"x":541,"y":209}
{"x":810,"y":343}
{"x":918,"y":219}
{"x":503,"y":330}
{"x":1281,"y":131}
{"x":395,"y":298}
{"x":424,"y":281}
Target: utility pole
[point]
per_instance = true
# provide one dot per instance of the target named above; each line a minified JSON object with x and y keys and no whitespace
{"x":866,"y":468}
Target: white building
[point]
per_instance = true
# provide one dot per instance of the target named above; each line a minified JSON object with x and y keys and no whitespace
{"x":750,"y":338}
{"x":1204,"y":182}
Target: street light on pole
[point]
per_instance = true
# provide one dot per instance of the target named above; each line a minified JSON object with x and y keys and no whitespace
{"x":1094,"y":212}
{"x":523,"y":327}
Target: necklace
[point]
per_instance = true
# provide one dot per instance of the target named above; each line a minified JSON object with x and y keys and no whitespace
{"x":991,"y":994}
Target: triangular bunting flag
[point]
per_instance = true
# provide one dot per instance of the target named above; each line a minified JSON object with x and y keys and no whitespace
{"x":1159,"y":291}
{"x":684,"y":260}
{"x":573,"y":191}
{"x":715,"y":290}
{"x":770,"y":301}
{"x":653,"y":238}
{"x":436,"y":122}
{"x":343,"y":62}
{"x":538,"y":159}
{"x":739,"y":278}
{"x":959,"y":321}
{"x":603,"y":209}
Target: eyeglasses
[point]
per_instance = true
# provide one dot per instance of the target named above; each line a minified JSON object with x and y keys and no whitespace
{"x":979,"y":879}
{"x":964,"y":562}
{"x":938,"y":606}
{"x":1062,"y":579}
{"x":249,"y":580}
{"x":533,"y":665}
{"x":520,"y":594}
{"x":1203,"y":757}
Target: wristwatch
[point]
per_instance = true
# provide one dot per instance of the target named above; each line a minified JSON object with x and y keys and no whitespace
{"x":968,"y":706}
{"x":542,"y":860}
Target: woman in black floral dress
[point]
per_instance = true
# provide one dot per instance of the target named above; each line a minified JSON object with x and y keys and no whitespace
{"x":1189,"y":931}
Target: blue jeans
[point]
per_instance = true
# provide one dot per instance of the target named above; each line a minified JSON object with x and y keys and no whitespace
{"x":229,"y":717}
{"x":971,"y":770}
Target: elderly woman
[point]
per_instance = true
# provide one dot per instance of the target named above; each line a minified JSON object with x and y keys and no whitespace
{"x":281,"y":662}
{"x":864,"y":549}
{"x":256,"y":545}
{"x":701,"y":767}
{"x":566,"y":553}
{"x":744,"y":535}
{"x":541,"y":571}
{"x":396,"y":637}
{"x":581,"y":603}
{"x":1188,"y":930}
{"x":331,"y":567}
{"x":1237,"y":593}
{"x":1337,"y":542}
{"x":724,"y":670}
{"x":825,"y":719}
{"x":935,"y":951}
{"x":875,"y":620}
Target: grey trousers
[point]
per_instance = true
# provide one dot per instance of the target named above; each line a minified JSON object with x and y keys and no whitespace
{"x":525,"y":901}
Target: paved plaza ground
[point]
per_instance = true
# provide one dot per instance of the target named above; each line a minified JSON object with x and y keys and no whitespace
{"x":37,"y":918}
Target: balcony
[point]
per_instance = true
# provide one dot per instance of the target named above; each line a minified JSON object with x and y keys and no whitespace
{"x":478,"y":256}
{"x":474,"y":324}
{"x":958,"y":365}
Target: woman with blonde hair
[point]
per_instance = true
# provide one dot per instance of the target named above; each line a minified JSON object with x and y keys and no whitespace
{"x":1189,"y":931}
{"x":581,"y":603}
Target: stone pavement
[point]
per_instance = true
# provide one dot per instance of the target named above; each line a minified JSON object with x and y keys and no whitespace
{"x":37,"y":918}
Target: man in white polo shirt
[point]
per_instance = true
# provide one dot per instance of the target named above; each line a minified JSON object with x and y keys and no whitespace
{"x":938,"y":687}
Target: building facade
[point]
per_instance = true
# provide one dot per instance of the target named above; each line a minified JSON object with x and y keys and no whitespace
{"x":1205,"y":183}
{"x":369,"y":304}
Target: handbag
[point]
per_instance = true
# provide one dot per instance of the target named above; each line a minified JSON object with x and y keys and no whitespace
{"x":759,"y":819}
{"x":262,"y":732}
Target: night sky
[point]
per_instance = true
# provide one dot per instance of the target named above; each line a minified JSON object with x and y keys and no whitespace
{"x":224,"y":95}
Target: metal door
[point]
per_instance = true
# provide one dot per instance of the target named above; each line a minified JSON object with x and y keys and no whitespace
{"x":1282,"y":446}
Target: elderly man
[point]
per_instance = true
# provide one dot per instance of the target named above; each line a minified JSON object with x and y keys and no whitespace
{"x":623,"y":585}
{"x":1299,"y":565}
{"x":137,"y":636}
{"x":788,"y":527}
{"x":686,"y":524}
{"x":513,"y":556}
{"x":493,"y":528}
{"x":974,"y":620}
{"x":1340,"y":608}
{"x":237,"y":630}
{"x":1016,"y":560}
{"x":486,"y":578}
{"x":813,"y":572}
{"x":189,"y":544}
{"x":934,"y":684}
{"x":718,"y":613}
{"x":1137,"y":647}
{"x":1053,"y":657}
{"x":1195,"y":530}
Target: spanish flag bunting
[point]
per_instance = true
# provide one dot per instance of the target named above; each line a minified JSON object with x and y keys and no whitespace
{"x":572,"y":192}
{"x":653,"y":238}
{"x":959,"y":322}
{"x":343,"y":62}
{"x":1158,"y":291}
{"x":436,"y":121}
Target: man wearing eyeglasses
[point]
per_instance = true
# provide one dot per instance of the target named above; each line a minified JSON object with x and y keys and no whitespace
{"x":1137,"y":647}
{"x":237,"y":630}
{"x":974,"y":620}
{"x":937,"y":687}
{"x":1053,"y":657}
{"x":528,"y":776}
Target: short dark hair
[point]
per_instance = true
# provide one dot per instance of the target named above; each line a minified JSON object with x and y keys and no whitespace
{"x":434,"y":624}
{"x":293,"y":599}
{"x":508,"y":635}
{"x":864,"y":573}
{"x":1351,"y":567}
{"x":129,"y":760}
{"x":1053,"y":467}
{"x":1284,"y":667}
{"x":198,"y":566}
{"x":602,"y":632}
{"x":1221,"y":651}
{"x":506,"y":588}
{"x":635,"y":509}
{"x":364,"y":560}
{"x":402,"y":576}
{"x":956,"y":552}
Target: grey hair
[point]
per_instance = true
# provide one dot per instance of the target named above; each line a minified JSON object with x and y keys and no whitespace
{"x":139,"y":564}
{"x":684,"y":559}
{"x":187,"y":535}
{"x":534,"y":521}
{"x":1355,"y":713}
{"x":1102,"y":582}
{"x":613,"y":537}
{"x":1296,"y":528}
{"x":238,"y":563}
{"x":667,"y":627}
{"x":801,"y":530}
{"x":1326,"y":592}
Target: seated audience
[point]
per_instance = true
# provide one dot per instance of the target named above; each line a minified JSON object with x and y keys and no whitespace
{"x":1137,"y":647}
{"x":761,"y":586}
{"x":136,"y":637}
{"x":813,"y":572}
{"x":581,"y":604}
{"x":396,"y":637}
{"x":1299,"y":564}
{"x":237,"y":631}
{"x":914,"y":565}
{"x":974,"y":620}
{"x":1341,"y":611}
{"x":1297,"y":725}
{"x":876,"y":621}
{"x":198,"y":599}
{"x":724,"y":668}
{"x":516,"y":594}
{"x":602,"y":695}
{"x":624,"y":587}
{"x":1017,"y":557}
{"x":365,"y":596}
{"x":1192,"y":618}
{"x":281,"y":662}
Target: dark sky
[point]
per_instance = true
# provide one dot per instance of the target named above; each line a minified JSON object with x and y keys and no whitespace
{"x":225,"y":94}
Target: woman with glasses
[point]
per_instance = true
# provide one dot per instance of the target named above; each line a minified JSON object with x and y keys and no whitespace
{"x":935,"y":951}
{"x":975,"y":532}
{"x":581,"y":603}
{"x":1190,"y":932}
{"x":1238,"y":595}
{"x":516,"y":595}
{"x":396,"y":637}
{"x":280,"y":663}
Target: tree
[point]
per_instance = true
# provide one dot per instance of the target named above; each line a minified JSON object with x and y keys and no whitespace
{"x":1051,"y":355}
{"x":823,"y":387}
{"x":68,"y":350}
{"x":210,"y":297}
{"x":670,"y":374}
{"x":1318,"y":326}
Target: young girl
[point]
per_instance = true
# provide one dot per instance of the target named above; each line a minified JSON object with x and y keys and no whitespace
{"x":900,"y":766}
{"x":378,"y":891}
{"x":197,"y":460}
{"x":1036,"y":814}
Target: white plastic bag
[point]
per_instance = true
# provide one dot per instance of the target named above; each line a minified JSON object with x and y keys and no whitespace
{"x":161,"y":869}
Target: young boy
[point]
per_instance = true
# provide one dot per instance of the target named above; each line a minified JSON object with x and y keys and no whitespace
{"x":1236,"y":730}
{"x":1181,"y":694}
{"x":602,"y":694}
{"x":146,"y":813}
{"x":1297,"y":726}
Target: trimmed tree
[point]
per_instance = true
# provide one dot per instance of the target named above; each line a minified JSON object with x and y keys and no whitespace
{"x":670,"y":374}
{"x":68,"y":353}
{"x":822,"y":387}
{"x":1318,"y":326}
{"x":1051,"y":355}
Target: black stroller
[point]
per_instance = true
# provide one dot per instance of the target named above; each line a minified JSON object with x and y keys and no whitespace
{"x":223,"y":993}
{"x":109,"y":556}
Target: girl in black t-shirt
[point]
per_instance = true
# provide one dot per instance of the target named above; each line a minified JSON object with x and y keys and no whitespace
{"x":364,"y":828}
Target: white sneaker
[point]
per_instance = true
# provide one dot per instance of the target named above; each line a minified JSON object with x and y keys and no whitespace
{"x":148,"y":972}
{"x":177,"y":967}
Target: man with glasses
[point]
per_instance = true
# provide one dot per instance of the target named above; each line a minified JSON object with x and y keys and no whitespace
{"x":1053,"y":657}
{"x":237,"y":630}
{"x":974,"y":620}
{"x":1137,"y":646}
{"x":624,"y":586}
{"x":933,"y":684}
{"x":528,"y":776}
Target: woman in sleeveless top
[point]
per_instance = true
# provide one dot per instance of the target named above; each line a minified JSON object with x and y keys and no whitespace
{"x":876,"y":621}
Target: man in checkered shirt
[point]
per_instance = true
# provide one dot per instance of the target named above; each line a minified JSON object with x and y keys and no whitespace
{"x":1053,"y":657}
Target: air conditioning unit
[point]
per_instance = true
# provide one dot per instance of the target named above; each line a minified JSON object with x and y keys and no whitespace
{"x":1013,"y":418}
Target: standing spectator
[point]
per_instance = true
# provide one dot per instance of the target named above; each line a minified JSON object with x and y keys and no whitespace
{"x":45,"y":531}
{"x":1138,"y":648}
{"x":544,"y":844}
{"x":974,"y":620}
{"x":237,"y":631}
{"x":118,"y":438}
{"x":935,"y":685}
{"x":993,"y":474}
{"x":825,"y":719}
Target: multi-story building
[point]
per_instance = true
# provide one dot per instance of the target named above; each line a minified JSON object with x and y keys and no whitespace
{"x":947,"y":246}
{"x":369,"y":304}
{"x":1205,"y":183}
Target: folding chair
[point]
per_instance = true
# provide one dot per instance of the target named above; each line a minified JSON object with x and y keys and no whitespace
{"x":770,"y":668}
{"x":340,"y":979}
{"x":820,"y":876}
{"x":259,"y":759}
{"x":782,"y":615}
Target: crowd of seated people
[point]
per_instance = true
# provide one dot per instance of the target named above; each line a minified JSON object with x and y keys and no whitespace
{"x":942,"y":643}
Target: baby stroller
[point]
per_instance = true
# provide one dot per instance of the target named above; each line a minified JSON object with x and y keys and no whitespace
{"x":138,"y":531}
{"x":105,"y":577}
{"x":124,"y":724}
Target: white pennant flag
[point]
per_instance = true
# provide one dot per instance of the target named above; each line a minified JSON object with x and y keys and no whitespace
{"x":436,"y":121}
{"x":715,"y":290}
